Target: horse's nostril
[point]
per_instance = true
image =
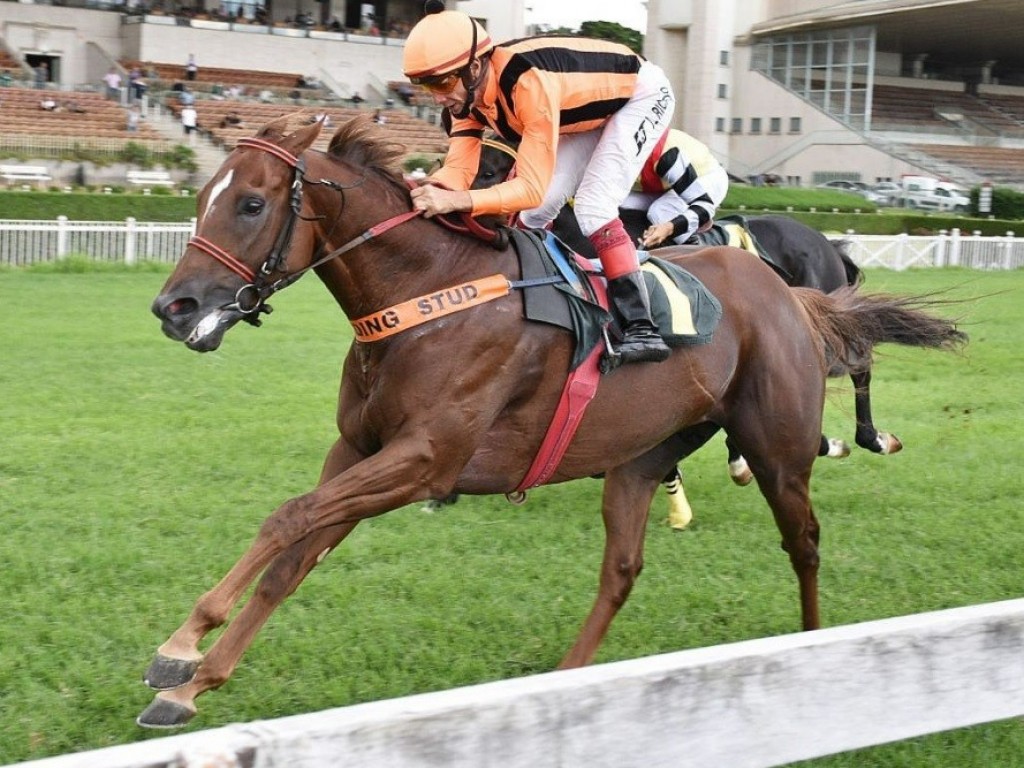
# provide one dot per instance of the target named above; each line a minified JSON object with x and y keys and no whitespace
{"x":168,"y":308}
{"x":179,"y":306}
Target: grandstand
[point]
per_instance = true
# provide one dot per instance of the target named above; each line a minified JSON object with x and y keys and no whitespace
{"x":86,"y":117}
{"x":286,"y":68}
{"x":836,"y":90}
{"x":417,"y":136}
{"x":848,"y":89}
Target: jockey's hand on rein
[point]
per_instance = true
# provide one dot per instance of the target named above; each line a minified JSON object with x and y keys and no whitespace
{"x":433,"y":200}
{"x":655,"y":234}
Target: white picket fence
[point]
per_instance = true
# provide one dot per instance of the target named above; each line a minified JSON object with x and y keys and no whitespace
{"x":26,"y":242}
{"x":33,"y":242}
{"x":751,"y":704}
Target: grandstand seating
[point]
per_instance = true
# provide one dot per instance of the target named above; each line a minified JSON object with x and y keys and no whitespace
{"x":172,"y":73}
{"x":1012,"y":107}
{"x":417,"y":136}
{"x":1000,"y":165}
{"x":9,"y":64}
{"x":161,"y":76}
{"x":20,"y":113}
{"x":922,"y":109}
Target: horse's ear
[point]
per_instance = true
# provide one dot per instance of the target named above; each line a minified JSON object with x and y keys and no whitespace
{"x":300,"y":140}
{"x":274,"y":130}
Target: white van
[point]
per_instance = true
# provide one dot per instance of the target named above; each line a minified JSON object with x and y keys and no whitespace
{"x":932,"y":194}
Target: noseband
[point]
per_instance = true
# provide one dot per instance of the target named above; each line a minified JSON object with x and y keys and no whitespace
{"x":251,"y":298}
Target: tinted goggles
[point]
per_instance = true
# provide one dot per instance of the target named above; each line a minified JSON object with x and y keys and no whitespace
{"x":438,"y":83}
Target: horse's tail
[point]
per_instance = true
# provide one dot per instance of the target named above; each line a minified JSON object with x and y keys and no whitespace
{"x":853,"y":274}
{"x":851,"y":325}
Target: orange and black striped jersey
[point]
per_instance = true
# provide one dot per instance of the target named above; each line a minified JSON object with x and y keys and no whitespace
{"x":534,"y":90}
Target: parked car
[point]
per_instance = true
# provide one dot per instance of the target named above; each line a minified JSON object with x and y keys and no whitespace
{"x":857,"y":188}
{"x":888,"y":192}
{"x":844,"y":185}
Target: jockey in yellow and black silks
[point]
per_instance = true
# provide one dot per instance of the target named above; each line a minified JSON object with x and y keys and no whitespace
{"x":680,"y":186}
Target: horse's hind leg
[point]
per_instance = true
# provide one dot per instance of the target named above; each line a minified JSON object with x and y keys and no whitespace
{"x":867,"y":436}
{"x":782,"y":469}
{"x":680,"y":514}
{"x":625,"y":507}
{"x":739,"y":470}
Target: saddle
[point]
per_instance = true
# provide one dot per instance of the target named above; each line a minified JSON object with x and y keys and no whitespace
{"x":561,"y":290}
{"x":734,"y":231}
{"x":566,"y":290}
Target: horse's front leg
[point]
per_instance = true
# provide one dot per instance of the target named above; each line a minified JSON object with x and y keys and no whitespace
{"x":625,"y":508}
{"x":290,"y":543}
{"x":174,"y":708}
{"x":179,"y":657}
{"x":867,"y":436}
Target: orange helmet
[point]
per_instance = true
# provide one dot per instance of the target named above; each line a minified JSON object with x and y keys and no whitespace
{"x":443,"y":42}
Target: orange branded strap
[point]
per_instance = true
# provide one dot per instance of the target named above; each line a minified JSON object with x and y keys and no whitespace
{"x":430,"y":306}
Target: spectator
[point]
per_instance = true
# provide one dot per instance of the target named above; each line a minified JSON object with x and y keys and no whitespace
{"x":42,"y":73}
{"x":133,"y":119}
{"x":189,"y":122}
{"x":73,"y":106}
{"x":378,"y":117}
{"x":113,"y":82}
{"x":356,"y":99}
{"x":186,"y":97}
{"x":232,"y":120}
{"x":405,"y":93}
{"x":136,"y":85}
{"x":191,"y":68}
{"x":48,"y":104}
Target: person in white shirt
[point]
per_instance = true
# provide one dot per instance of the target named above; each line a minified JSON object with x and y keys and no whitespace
{"x":189,"y":122}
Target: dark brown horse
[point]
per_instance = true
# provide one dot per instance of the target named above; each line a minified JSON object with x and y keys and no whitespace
{"x":800,"y":255}
{"x":462,"y":401}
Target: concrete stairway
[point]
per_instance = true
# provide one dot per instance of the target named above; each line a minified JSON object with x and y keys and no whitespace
{"x":208,"y":156}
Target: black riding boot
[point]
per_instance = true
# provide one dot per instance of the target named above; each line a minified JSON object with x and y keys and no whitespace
{"x":627,"y":297}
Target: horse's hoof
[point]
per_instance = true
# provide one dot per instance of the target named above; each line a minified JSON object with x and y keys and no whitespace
{"x":889,"y":443}
{"x":837,"y":449}
{"x":162,"y":713}
{"x":165,"y":673}
{"x":740,"y":472}
{"x":516,"y":497}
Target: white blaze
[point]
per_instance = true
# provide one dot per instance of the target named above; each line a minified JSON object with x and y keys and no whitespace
{"x":219,"y":187}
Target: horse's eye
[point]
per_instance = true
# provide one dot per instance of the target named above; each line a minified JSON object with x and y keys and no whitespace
{"x":252,"y":206}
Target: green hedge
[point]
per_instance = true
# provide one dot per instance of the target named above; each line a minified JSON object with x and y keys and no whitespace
{"x":85,"y":206}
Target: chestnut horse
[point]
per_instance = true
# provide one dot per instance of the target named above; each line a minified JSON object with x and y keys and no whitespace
{"x":462,"y":401}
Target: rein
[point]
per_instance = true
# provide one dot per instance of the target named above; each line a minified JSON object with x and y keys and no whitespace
{"x":251,"y":298}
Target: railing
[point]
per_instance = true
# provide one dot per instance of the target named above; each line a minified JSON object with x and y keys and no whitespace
{"x":757,"y":703}
{"x":23,"y":243}
{"x":947,"y":249}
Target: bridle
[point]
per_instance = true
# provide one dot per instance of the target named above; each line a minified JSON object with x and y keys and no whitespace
{"x":251,"y":299}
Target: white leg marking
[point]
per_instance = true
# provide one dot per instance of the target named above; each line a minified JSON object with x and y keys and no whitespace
{"x":740,"y":472}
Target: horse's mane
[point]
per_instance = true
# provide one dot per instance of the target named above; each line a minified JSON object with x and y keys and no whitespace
{"x":361,"y":142}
